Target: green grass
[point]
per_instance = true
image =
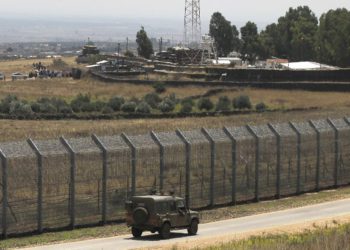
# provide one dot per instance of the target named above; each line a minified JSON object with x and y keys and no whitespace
{"x":206,"y":216}
{"x":334,"y":238}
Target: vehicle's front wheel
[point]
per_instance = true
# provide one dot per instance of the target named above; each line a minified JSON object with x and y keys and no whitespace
{"x":136,"y":232}
{"x":193,"y":228}
{"x":164,"y":231}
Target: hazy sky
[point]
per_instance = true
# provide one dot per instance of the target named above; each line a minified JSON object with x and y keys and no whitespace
{"x":237,"y":11}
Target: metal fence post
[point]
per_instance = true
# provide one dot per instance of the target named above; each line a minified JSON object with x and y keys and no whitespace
{"x":318,"y":155}
{"x":234,"y":165}
{"x":4,"y":194}
{"x":40,"y":183}
{"x":212,"y":164}
{"x":104,"y":151}
{"x":188,"y":165}
{"x":133,"y":162}
{"x":295,"y":129}
{"x":257,"y":162}
{"x":162,"y":160}
{"x":278,"y":158}
{"x":336,"y":152}
{"x":72,"y":153}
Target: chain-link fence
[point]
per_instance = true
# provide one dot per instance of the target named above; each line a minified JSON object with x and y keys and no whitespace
{"x":63,"y":183}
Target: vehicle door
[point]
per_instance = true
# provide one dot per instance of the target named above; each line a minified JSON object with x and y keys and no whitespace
{"x":183,"y":216}
{"x":173,"y":214}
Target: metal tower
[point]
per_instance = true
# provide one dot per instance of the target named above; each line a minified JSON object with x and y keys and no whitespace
{"x":192,"y":22}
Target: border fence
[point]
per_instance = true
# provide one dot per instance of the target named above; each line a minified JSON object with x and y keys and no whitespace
{"x":64,"y":183}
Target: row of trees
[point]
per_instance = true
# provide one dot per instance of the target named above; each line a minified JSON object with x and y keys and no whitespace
{"x":298,"y":35}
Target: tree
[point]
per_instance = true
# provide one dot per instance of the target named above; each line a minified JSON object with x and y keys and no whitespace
{"x":297,"y":31}
{"x":222,"y":32}
{"x":269,"y":40}
{"x":250,"y":43}
{"x":236,"y":42}
{"x":333,"y":45}
{"x":144,"y":44}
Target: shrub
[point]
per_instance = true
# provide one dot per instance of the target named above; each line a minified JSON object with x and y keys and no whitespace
{"x":205,"y":104}
{"x":107,"y":110}
{"x":261,"y":107}
{"x":65,"y":110}
{"x":143,"y":108}
{"x":20,"y":108}
{"x":188,"y":100}
{"x":116,"y":103}
{"x":47,"y":108}
{"x":223,"y":104}
{"x":135,"y":100}
{"x":159,"y":87}
{"x":78,"y":102}
{"x":186,"y":108}
{"x":88,"y":107}
{"x":5,"y":103}
{"x":166,"y":106}
{"x":129,"y":107}
{"x":99,"y":105}
{"x":152,"y":100}
{"x":242,"y":102}
{"x":173,"y":98}
{"x":35,"y":107}
{"x":59,"y":63}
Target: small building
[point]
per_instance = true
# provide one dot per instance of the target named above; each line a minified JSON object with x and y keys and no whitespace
{"x":88,"y":50}
{"x":308,"y":66}
{"x":236,"y":61}
{"x":2,"y":76}
{"x":19,"y":76}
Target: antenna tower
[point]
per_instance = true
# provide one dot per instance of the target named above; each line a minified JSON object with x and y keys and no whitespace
{"x":192,"y":22}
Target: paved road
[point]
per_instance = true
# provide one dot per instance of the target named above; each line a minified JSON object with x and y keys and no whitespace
{"x":212,"y":230}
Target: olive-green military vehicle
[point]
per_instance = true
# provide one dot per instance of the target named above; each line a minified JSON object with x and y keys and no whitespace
{"x":160,"y":214}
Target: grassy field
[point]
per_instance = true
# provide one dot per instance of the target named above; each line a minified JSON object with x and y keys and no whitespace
{"x":206,"y":216}
{"x":334,"y":238}
{"x":25,"y":65}
{"x":40,"y":129}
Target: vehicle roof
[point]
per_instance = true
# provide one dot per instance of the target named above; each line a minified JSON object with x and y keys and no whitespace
{"x":157,"y":197}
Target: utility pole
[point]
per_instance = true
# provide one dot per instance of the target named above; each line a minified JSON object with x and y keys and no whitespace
{"x":160,"y":44}
{"x":127,"y":44}
{"x":192,"y":22}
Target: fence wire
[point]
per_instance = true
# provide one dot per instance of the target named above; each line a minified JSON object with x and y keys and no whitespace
{"x":200,"y":168}
{"x":22,"y":179}
{"x":343,"y":160}
{"x":288,"y":164}
{"x":174,"y":163}
{"x":327,"y":151}
{"x":118,"y":176}
{"x":245,"y":167}
{"x":57,"y":183}
{"x":88,"y":180}
{"x":222,"y":166}
{"x":147,"y":164}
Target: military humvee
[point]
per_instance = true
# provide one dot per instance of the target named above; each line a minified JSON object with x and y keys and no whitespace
{"x":160,"y":214}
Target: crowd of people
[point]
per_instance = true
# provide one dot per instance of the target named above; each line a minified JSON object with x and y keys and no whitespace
{"x":41,"y":71}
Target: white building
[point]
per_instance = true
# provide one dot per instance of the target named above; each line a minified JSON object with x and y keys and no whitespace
{"x":307,"y":66}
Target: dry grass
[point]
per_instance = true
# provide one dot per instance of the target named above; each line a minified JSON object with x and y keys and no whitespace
{"x":293,"y":99}
{"x":25,"y":65}
{"x":19,"y":130}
